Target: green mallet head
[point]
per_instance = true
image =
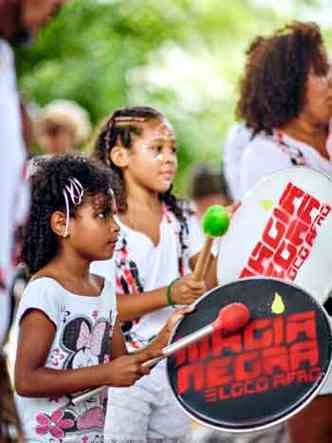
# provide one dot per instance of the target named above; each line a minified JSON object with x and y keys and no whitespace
{"x":215,"y":221}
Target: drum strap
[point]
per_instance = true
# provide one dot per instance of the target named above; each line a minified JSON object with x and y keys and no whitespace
{"x":294,"y":153}
{"x":128,"y":279}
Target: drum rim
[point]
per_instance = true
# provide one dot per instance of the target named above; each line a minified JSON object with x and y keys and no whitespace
{"x":280,"y":420}
{"x":260,"y":184}
{"x":279,"y":172}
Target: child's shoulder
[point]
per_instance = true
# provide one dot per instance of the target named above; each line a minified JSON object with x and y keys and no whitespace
{"x":40,"y":282}
{"x":43,"y":294}
{"x":42,"y":288}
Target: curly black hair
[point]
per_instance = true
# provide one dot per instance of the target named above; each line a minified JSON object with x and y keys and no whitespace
{"x":51,"y":175}
{"x":121,"y":128}
{"x":273,"y":88}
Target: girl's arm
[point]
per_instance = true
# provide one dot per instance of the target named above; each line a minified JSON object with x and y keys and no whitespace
{"x":184,"y":292}
{"x":162,"y":339}
{"x":132,"y":306}
{"x":118,"y":344}
{"x":33,"y":379}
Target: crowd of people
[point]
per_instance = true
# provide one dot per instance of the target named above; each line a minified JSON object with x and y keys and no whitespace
{"x":97,"y":252}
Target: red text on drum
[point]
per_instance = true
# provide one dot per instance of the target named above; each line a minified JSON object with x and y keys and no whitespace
{"x":288,"y":237}
{"x":269,"y":354}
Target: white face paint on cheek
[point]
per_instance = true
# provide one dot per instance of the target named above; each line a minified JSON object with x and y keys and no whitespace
{"x":157,"y":137}
{"x":144,"y":148}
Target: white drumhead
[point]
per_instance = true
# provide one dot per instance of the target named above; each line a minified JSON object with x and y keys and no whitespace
{"x":283,"y":228}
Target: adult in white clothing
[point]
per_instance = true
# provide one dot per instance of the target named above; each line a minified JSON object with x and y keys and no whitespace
{"x":237,"y":139}
{"x":18,"y":20}
{"x":285,"y":99}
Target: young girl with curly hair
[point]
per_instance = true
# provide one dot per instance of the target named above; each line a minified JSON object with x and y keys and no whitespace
{"x":69,"y":334}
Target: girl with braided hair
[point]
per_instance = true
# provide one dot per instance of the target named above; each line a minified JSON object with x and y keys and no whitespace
{"x":70,"y":339}
{"x":159,"y":242}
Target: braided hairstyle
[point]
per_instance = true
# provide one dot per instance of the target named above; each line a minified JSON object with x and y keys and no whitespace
{"x":273,"y":88}
{"x":52,"y":174}
{"x":123,"y":125}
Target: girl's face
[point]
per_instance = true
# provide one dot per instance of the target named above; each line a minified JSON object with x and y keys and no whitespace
{"x":93,"y":232}
{"x":152,"y":159}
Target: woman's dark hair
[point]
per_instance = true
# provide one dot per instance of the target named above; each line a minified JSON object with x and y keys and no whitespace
{"x":51,"y":175}
{"x":273,"y":88}
{"x":123,"y":125}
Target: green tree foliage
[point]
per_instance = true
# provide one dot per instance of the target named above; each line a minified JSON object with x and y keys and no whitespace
{"x":182,"y":56}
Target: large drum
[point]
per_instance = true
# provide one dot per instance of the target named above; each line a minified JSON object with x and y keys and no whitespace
{"x":283,"y":229}
{"x":261,"y":375}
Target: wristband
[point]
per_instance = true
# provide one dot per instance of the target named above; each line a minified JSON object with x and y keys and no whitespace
{"x":170,"y":301}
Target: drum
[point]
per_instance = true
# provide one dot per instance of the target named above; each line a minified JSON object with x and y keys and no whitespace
{"x":263,"y":374}
{"x":283,"y":229}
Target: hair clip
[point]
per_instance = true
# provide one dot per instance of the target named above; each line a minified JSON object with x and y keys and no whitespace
{"x":113,"y":201}
{"x":75,"y":191}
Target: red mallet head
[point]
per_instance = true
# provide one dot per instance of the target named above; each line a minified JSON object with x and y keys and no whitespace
{"x":232,"y":318}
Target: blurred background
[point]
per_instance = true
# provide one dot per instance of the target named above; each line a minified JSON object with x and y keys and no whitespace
{"x":184,"y":57}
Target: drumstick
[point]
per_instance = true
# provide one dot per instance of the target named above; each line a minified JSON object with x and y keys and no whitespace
{"x":215,"y":223}
{"x":231,"y":318}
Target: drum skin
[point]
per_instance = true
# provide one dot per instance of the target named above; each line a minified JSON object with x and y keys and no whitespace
{"x":283,"y":229}
{"x":261,"y":375}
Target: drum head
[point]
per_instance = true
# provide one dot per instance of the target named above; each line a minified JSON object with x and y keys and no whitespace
{"x":265,"y":373}
{"x":283,"y":229}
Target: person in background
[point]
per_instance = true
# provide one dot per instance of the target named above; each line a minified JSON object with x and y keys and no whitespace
{"x":19,"y":20}
{"x":62,"y":126}
{"x":286,"y":101}
{"x":208,"y":187}
{"x":238,"y":136}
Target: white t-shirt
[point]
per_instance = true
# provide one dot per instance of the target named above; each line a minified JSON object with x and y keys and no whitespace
{"x":264,"y":155}
{"x":141,"y":266}
{"x":14,"y":189}
{"x":237,"y":139}
{"x":83,"y":327}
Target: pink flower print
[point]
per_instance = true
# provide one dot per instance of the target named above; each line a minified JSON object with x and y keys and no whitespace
{"x":55,"y":425}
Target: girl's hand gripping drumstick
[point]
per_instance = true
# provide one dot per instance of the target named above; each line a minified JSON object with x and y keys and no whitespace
{"x":215,"y":223}
{"x":231,"y":318}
